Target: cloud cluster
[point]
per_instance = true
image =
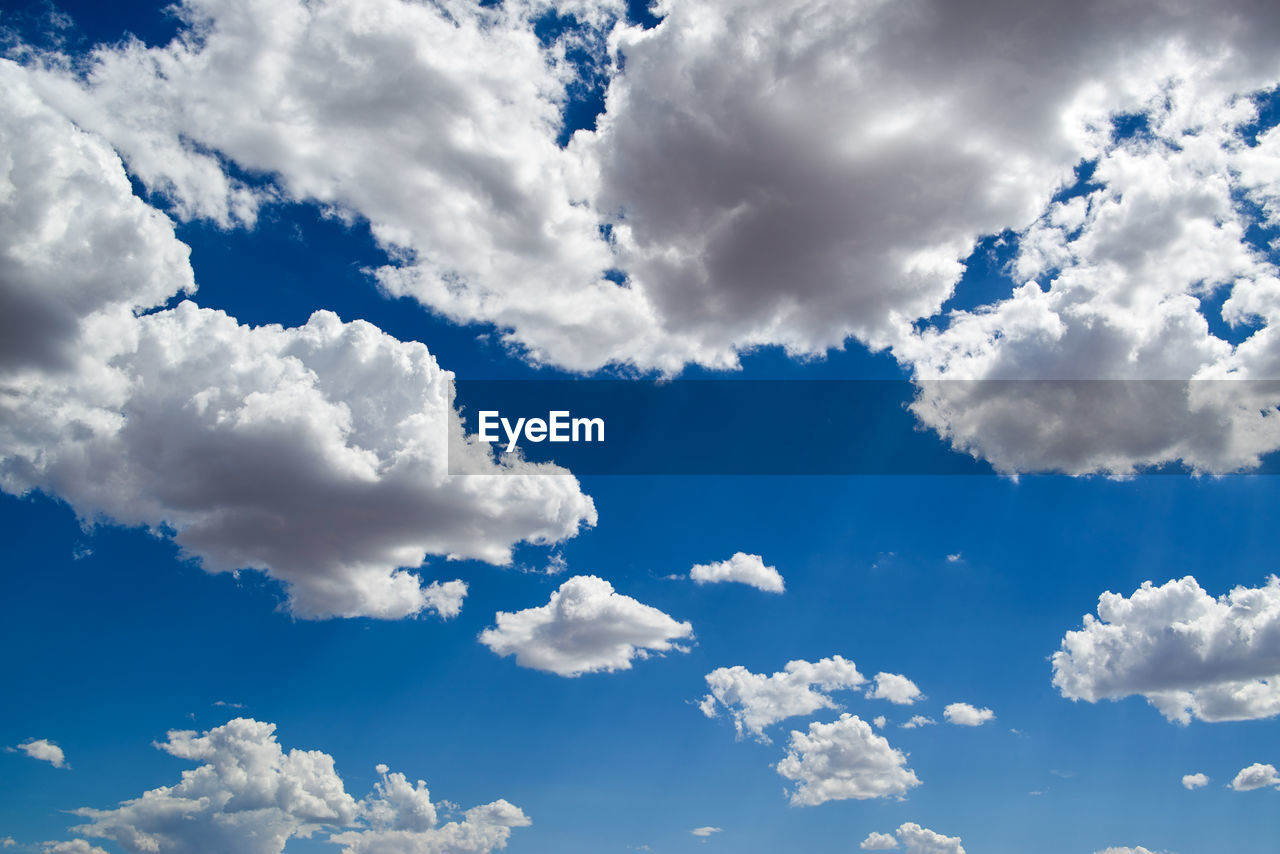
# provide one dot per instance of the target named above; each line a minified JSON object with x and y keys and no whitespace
{"x":248,"y":795}
{"x":1189,"y":654}
{"x":1256,"y":776}
{"x":43,"y":749}
{"x":755,"y":700}
{"x":963,"y":714}
{"x":842,"y":202}
{"x":318,"y":454}
{"x":895,"y":688}
{"x":841,"y":760}
{"x":742,"y":568}
{"x":585,"y":627}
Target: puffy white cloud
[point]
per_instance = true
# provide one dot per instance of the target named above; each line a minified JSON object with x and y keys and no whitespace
{"x":963,"y":714}
{"x":319,"y":454}
{"x":76,"y":246}
{"x":248,"y":795}
{"x":1189,"y":654}
{"x":401,"y":819}
{"x":74,"y":846}
{"x":922,"y":840}
{"x":918,"y":721}
{"x":706,"y":831}
{"x":844,"y":759}
{"x":43,"y":749}
{"x":878,"y":842}
{"x":743,"y":568}
{"x":1256,"y":776}
{"x":755,"y":700}
{"x":1195,"y":781}
{"x":1125,"y":850}
{"x":895,"y":688}
{"x":585,"y":627}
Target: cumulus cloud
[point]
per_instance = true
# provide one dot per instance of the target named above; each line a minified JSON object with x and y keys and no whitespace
{"x":918,"y":721}
{"x":963,"y":714}
{"x":915,"y":840}
{"x":43,"y":749}
{"x":1195,"y":781}
{"x":1256,"y":776}
{"x":895,"y":688}
{"x":844,"y":759}
{"x":74,"y":846}
{"x":1125,"y":850}
{"x":1189,"y":654}
{"x":755,"y":700}
{"x":318,"y":454}
{"x":706,"y":831}
{"x":585,"y":627}
{"x":743,"y":568}
{"x":843,"y":203}
{"x":248,"y":795}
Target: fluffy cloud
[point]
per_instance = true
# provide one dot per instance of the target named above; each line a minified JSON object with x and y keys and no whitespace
{"x":1125,"y":850}
{"x":879,"y":842}
{"x":743,"y":568}
{"x":402,"y":820}
{"x":843,"y":203}
{"x":922,"y":840}
{"x":918,"y":721}
{"x":1195,"y":781}
{"x":585,"y":627}
{"x":248,"y":795}
{"x":755,"y":701}
{"x":42,"y":748}
{"x":895,"y":688}
{"x":844,"y":759}
{"x":963,"y":714}
{"x":74,"y":846}
{"x":1256,"y":776}
{"x":319,"y":454}
{"x":706,"y":831}
{"x":1189,"y":654}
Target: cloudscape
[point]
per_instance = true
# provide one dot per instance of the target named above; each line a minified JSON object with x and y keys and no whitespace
{"x":583,"y":425}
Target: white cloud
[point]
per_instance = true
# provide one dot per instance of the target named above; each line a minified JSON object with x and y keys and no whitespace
{"x":1190,"y":655}
{"x":844,"y":759}
{"x":1256,"y":776}
{"x":922,"y":840}
{"x":916,"y":840}
{"x":248,"y":795}
{"x":963,"y":714}
{"x":918,"y":721}
{"x":879,"y":721}
{"x":743,"y":568}
{"x":1195,"y":781}
{"x":706,"y":831}
{"x":755,"y":701}
{"x":74,"y":846}
{"x":319,"y":454}
{"x":585,"y":627}
{"x":43,"y":749}
{"x":895,"y":688}
{"x":1125,"y":850}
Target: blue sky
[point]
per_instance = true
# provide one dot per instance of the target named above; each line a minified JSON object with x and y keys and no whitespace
{"x":207,"y":519}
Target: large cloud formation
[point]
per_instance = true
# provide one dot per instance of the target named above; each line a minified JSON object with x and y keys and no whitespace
{"x":1189,"y":654}
{"x":755,"y":700}
{"x":585,"y":627}
{"x":319,"y":454}
{"x":248,"y":795}
{"x":844,"y":759}
{"x":774,"y":173}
